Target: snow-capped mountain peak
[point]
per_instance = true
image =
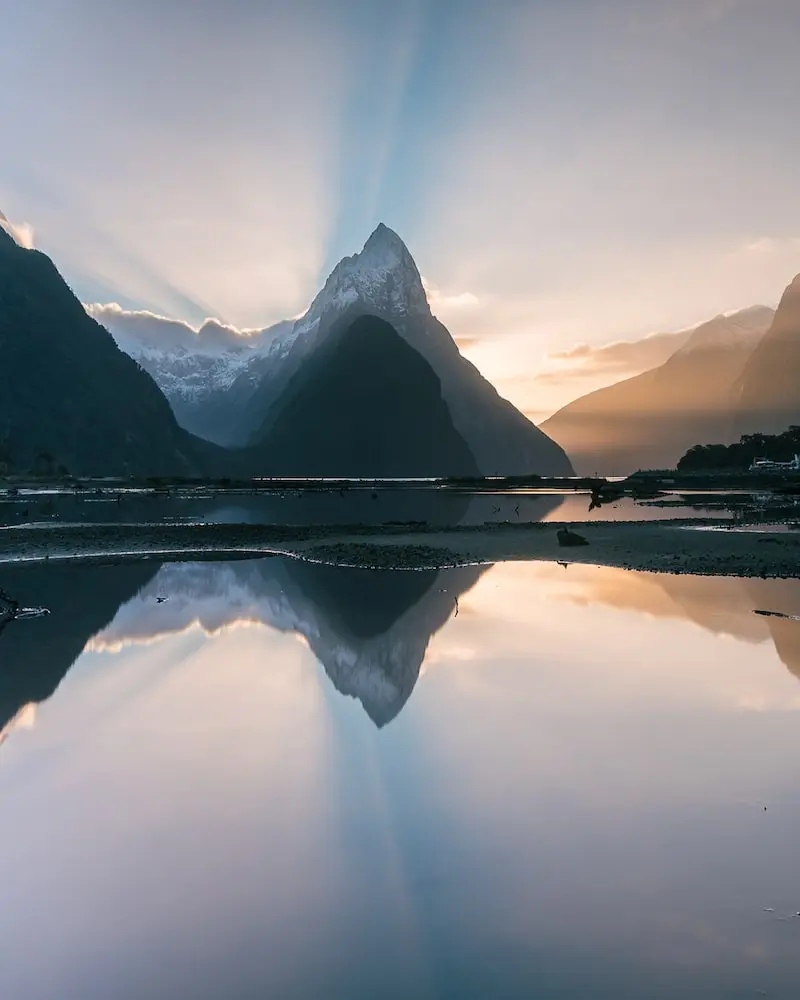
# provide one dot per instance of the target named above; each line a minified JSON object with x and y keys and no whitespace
{"x":382,"y":276}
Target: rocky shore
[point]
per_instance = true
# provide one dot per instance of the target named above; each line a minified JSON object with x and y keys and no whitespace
{"x":696,"y":546}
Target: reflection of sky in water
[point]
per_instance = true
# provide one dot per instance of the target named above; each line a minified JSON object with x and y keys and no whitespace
{"x":575,"y":507}
{"x":571,"y":802}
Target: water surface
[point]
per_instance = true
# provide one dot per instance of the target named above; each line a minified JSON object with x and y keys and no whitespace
{"x":297,"y":781}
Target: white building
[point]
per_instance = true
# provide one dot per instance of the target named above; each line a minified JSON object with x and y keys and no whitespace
{"x":767,"y":465}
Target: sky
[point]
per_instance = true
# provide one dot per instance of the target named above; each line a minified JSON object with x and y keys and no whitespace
{"x":565,"y":172}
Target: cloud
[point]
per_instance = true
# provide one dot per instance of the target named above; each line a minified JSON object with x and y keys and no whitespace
{"x":195,"y":161}
{"x":134,"y":329}
{"x":22,"y":232}
{"x":443,"y":304}
{"x":772,"y":245}
{"x":621,"y":356}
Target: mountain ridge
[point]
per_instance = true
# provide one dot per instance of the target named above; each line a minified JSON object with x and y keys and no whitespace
{"x":768,"y":392}
{"x":348,"y":411}
{"x":651,"y":419}
{"x":383,"y":281}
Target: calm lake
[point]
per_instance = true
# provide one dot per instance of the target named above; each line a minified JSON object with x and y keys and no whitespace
{"x":273,"y":779}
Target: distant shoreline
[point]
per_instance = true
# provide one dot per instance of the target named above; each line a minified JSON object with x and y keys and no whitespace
{"x":636,"y":483}
{"x":658,"y":546}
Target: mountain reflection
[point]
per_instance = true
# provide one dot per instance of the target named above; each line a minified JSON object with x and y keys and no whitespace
{"x":722,"y":605}
{"x":368,"y":628}
{"x":35,"y":655}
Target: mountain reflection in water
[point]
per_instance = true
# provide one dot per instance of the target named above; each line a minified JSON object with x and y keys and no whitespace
{"x":723,"y":605}
{"x":368,"y":628}
{"x":571,"y":804}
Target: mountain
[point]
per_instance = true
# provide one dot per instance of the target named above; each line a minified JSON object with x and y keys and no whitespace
{"x":768,"y":393}
{"x":650,"y":420}
{"x":364,"y":404}
{"x":208,"y":375}
{"x":383,"y":282}
{"x":68,"y":394}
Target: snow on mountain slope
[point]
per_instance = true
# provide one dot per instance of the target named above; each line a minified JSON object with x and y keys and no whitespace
{"x":383,"y":276}
{"x":228,"y":387}
{"x":383,"y":281}
{"x":207,"y":374}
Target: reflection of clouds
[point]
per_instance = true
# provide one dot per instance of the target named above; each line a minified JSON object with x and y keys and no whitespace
{"x":105,"y":642}
{"x":22,"y":232}
{"x":607,"y":656}
{"x":24,"y":719}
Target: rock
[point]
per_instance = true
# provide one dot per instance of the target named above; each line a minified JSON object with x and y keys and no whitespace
{"x":567,"y":538}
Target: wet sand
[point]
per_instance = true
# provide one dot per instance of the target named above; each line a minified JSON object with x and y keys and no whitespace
{"x":661,"y":546}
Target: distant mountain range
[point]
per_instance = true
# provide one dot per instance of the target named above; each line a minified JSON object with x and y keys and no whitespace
{"x":230,"y":389}
{"x":366,"y":383}
{"x":649,"y":421}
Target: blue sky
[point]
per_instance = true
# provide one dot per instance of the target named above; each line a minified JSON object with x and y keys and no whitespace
{"x":564,"y":171}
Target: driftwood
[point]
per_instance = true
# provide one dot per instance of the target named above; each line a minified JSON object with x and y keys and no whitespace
{"x":11,"y":611}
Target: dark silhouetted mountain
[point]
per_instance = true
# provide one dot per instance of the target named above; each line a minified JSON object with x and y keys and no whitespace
{"x":35,"y":655}
{"x":768,"y":394}
{"x":364,"y":403}
{"x":383,"y":282}
{"x":68,"y":395}
{"x":650,"y":420}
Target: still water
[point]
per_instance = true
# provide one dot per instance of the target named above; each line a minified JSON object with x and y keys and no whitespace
{"x":334,"y":506}
{"x":295,"y":781}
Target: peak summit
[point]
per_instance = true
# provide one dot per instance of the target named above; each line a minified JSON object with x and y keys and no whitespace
{"x":382,"y":237}
{"x":382,"y":277}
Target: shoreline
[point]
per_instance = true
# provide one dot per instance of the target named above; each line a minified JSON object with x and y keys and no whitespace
{"x":656,"y":546}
